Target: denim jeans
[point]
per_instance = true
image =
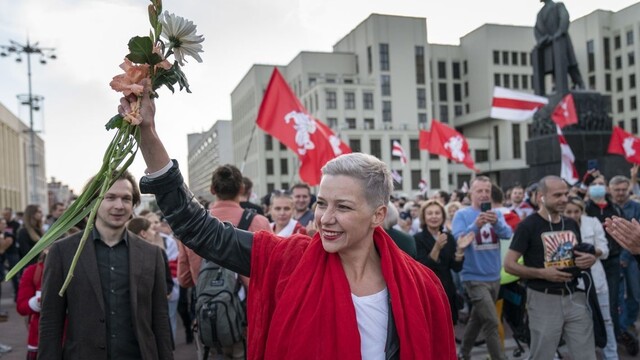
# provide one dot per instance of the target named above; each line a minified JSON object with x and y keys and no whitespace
{"x":631,"y":304}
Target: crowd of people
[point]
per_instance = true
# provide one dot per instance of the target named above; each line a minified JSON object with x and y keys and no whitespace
{"x":375,"y":276}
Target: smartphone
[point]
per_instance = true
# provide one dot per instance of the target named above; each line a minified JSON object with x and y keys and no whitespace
{"x":485,"y":206}
{"x":592,"y":164}
{"x":404,"y":215}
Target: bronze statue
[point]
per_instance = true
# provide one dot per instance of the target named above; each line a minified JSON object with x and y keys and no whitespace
{"x":553,"y":53}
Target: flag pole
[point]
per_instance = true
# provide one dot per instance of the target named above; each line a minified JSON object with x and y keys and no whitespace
{"x":246,"y":153}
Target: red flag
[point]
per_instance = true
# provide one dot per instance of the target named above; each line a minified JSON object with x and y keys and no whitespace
{"x":398,"y":151}
{"x":282,"y":116}
{"x":449,"y":143}
{"x":565,"y":112}
{"x":423,"y":142}
{"x":567,"y":165}
{"x":625,"y":144}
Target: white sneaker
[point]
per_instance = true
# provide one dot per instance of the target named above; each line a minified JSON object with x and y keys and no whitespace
{"x":5,"y":348}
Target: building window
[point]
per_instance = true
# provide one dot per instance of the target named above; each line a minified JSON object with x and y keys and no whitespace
{"x":368,"y":124}
{"x":525,"y":81}
{"x":330,"y":79}
{"x":505,"y":58}
{"x":506,"y":80}
{"x":591,"y":57}
{"x":376,"y":148}
{"x":442,"y":91}
{"x":634,"y":125}
{"x":271,"y":187}
{"x":355,"y":146}
{"x":496,"y":80}
{"x":607,"y":53}
{"x":631,"y":58}
{"x":284,"y":167}
{"x":619,"y":84}
{"x":269,"y":166}
{"x":369,"y":60}
{"x":620,"y":105}
{"x":268,"y":142}
{"x":420,"y":76}
{"x":481,"y":155}
{"x":434,"y":179}
{"x":621,"y":124}
{"x":312,"y":81}
{"x":629,"y":37}
{"x":496,"y":57}
{"x":633,"y":103}
{"x":617,"y":42}
{"x":386,"y":85}
{"x":442,"y":70}
{"x":465,"y":67}
{"x":367,"y":99}
{"x":496,"y":141}
{"x":351,"y":123}
{"x":455,"y":70}
{"x":457,"y":110}
{"x":466,"y":89}
{"x":632,"y":81}
{"x":523,"y":58}
{"x":386,"y":111}
{"x":516,"y":81}
{"x":414,"y":149}
{"x":349,"y":100}
{"x":332,"y":102}
{"x":457,"y":92}
{"x":384,"y":57}
{"x":515,"y":136}
{"x":422,"y":99}
{"x":332,"y":122}
{"x":433,"y":156}
{"x":444,"y":113}
{"x":514,"y":58}
{"x":422,"y":121}
{"x":416,"y":177}
{"x":466,"y":108}
{"x":592,"y":82}
{"x":618,"y":62}
{"x":607,"y":82}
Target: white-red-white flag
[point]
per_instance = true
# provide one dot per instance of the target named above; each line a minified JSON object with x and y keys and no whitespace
{"x":515,"y":105}
{"x":423,"y":185}
{"x":398,"y":151}
{"x":567,"y":164}
{"x":396,"y":176}
{"x":625,"y":144}
{"x":565,"y":112}
{"x":465,"y":187}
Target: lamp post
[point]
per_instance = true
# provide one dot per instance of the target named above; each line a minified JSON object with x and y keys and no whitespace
{"x":32,"y":101}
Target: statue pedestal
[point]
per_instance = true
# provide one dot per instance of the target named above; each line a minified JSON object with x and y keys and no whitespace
{"x":588,"y":139}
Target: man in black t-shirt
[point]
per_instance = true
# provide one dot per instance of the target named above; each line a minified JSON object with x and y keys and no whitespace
{"x":545,"y":240}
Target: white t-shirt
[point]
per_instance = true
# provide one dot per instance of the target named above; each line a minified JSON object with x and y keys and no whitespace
{"x":372,"y":314}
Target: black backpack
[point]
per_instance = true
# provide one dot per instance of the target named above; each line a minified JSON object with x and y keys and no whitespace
{"x":219,"y":311}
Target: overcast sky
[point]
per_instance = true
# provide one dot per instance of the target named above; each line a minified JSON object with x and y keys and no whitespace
{"x":90,"y":38}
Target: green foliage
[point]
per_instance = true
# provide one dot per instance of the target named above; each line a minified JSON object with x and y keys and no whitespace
{"x":165,"y":77}
{"x":141,"y":51}
{"x":115,"y":122}
{"x":182,"y":78}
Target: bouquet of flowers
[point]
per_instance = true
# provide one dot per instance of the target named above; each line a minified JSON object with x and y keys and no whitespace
{"x":146,"y":69}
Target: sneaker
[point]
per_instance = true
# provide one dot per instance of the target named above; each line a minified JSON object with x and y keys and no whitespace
{"x":5,"y":348}
{"x":630,"y":343}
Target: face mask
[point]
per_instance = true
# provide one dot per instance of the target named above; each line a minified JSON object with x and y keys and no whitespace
{"x":597,"y":191}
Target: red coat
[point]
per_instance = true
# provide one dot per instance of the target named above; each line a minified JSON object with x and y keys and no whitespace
{"x":30,"y":282}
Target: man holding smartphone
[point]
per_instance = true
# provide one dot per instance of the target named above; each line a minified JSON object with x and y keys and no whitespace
{"x":481,"y":270}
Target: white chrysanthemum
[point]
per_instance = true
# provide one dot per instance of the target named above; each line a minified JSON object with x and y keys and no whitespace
{"x":181,"y":34}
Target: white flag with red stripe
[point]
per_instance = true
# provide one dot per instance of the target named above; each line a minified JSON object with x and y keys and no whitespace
{"x":567,"y":165}
{"x":515,"y":105}
{"x":398,"y":151}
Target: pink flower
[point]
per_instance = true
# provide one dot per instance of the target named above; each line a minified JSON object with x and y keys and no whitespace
{"x":165,"y":64}
{"x":131,"y":81}
{"x":134,"y":117}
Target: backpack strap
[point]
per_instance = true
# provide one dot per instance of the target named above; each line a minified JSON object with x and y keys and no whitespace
{"x":246,"y":219}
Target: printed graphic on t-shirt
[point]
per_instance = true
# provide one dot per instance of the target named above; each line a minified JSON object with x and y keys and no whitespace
{"x":558,"y":248}
{"x":486,"y":239}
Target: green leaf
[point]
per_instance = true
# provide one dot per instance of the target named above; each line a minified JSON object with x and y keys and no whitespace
{"x":182,"y":78}
{"x":159,"y":32}
{"x":165,"y":77}
{"x":115,"y":122}
{"x":141,"y":51}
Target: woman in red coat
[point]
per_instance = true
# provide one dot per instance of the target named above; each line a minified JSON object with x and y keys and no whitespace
{"x":28,"y":302}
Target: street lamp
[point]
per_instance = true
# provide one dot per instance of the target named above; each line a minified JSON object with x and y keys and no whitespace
{"x":32,"y":101}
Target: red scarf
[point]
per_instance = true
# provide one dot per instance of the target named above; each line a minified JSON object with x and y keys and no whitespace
{"x":300,"y":304}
